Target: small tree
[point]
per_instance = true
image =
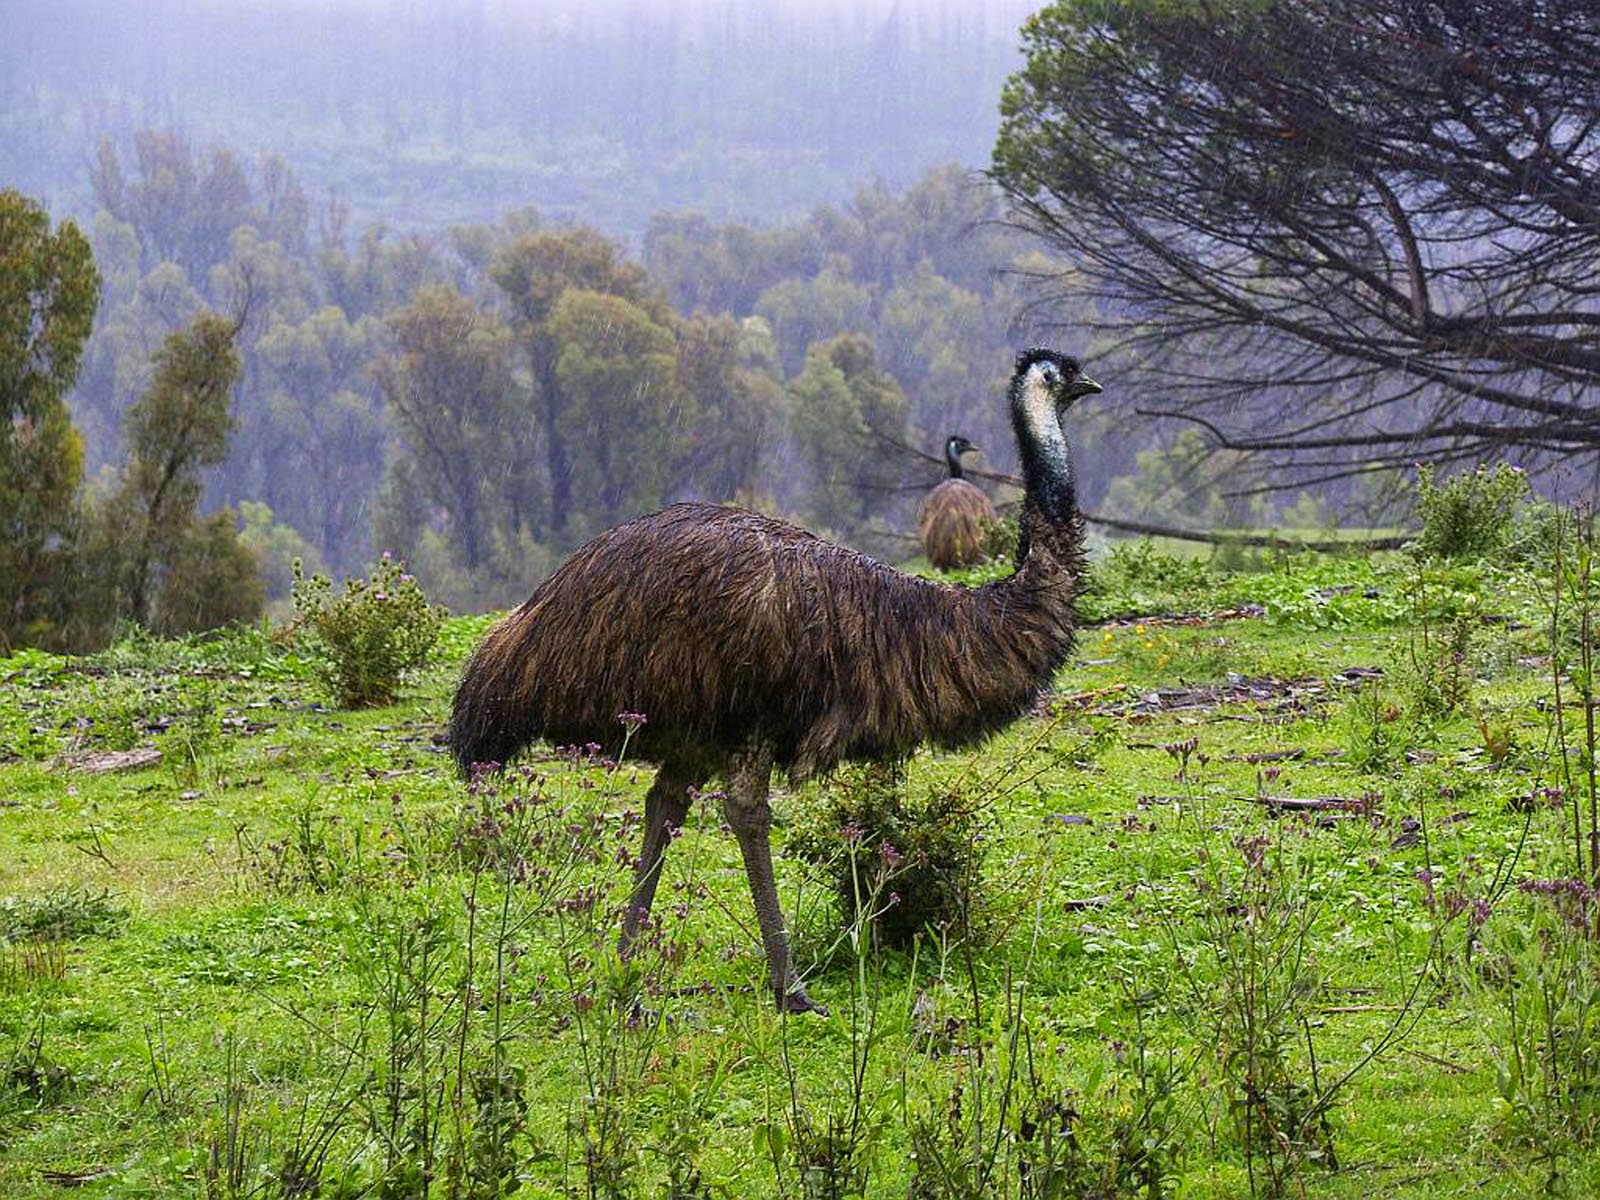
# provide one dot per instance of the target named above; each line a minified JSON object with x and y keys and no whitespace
{"x":177,"y":428}
{"x":144,"y":554}
{"x":211,"y":579}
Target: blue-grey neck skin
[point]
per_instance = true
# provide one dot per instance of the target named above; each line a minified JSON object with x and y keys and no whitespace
{"x":953,"y":457}
{"x":1047,"y":470}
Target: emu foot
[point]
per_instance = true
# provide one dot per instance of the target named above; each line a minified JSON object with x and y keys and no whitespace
{"x":795,"y":1000}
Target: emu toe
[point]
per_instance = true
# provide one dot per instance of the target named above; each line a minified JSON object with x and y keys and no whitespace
{"x":796,"y":1000}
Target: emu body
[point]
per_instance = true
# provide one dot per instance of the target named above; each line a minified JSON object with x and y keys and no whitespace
{"x":955,"y":515}
{"x":748,"y":643}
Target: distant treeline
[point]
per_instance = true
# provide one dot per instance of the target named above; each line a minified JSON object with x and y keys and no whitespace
{"x":430,"y":112}
{"x":484,"y":399}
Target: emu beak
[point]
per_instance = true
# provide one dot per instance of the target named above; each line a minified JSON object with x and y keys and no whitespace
{"x":1084,"y":386}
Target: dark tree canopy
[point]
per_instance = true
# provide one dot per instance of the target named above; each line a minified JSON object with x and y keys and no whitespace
{"x":1353,"y":232}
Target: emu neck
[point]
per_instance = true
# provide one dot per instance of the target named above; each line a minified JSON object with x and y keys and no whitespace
{"x":1050,"y":520}
{"x":954,"y":459}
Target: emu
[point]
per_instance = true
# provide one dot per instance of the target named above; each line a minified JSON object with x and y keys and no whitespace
{"x":955,"y":514}
{"x":750,"y":644}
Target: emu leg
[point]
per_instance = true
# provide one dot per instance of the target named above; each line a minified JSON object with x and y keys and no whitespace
{"x":666,"y":805}
{"x":745,"y":805}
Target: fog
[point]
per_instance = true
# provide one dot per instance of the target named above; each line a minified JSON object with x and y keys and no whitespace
{"x":423,"y":113}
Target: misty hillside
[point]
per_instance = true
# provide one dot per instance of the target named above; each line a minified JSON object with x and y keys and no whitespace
{"x":428,"y":112}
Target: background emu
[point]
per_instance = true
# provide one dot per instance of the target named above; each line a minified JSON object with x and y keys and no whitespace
{"x":750,"y":644}
{"x":955,"y":515}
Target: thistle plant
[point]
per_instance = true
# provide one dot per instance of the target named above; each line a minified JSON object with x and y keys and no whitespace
{"x":366,"y":638}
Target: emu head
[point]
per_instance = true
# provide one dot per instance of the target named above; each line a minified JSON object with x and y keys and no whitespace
{"x":1049,"y":374}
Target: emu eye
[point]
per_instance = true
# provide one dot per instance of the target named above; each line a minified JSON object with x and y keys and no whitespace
{"x":1049,"y":374}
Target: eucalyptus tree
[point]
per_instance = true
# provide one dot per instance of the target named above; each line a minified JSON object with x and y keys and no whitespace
{"x":49,"y":291}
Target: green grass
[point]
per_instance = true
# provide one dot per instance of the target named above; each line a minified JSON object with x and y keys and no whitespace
{"x":299,"y":920}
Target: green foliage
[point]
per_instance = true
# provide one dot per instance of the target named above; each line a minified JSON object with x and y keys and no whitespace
{"x":49,"y":291}
{"x":211,"y":579}
{"x":1470,"y":514}
{"x":275,"y":546}
{"x":115,"y":715}
{"x":535,"y":272}
{"x":1135,"y":577}
{"x":804,"y":312}
{"x":1001,"y":538}
{"x":1539,"y":990}
{"x":144,"y":554}
{"x":61,"y":915}
{"x":193,"y":736}
{"x":844,"y":409}
{"x":367,"y":637}
{"x":324,"y":401}
{"x":726,"y":368}
{"x":623,"y":410}
{"x":30,"y":1078}
{"x":449,"y":387}
{"x":1439,"y":677}
{"x":908,"y":866}
{"x":1377,"y":730}
{"x":1539,"y":528}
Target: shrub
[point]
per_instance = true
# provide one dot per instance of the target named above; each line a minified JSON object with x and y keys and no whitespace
{"x":1471,"y":514}
{"x":911,"y":863}
{"x":1540,"y":528}
{"x":1000,"y":538}
{"x":60,"y":915}
{"x":366,"y":638}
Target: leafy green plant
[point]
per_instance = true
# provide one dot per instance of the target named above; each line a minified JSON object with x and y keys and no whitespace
{"x":318,"y":852}
{"x":1250,"y":986}
{"x":1136,"y":577}
{"x":190,"y":743}
{"x":1000,"y":539}
{"x":1437,"y":668}
{"x":29,"y":1076}
{"x":1377,"y":731}
{"x":1538,"y":980}
{"x":1470,"y":514}
{"x":366,"y":638}
{"x":920,"y":859}
{"x":117,"y":714}
{"x":60,"y":915}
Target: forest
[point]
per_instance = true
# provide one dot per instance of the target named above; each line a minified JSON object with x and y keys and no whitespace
{"x":813,"y":368}
{"x":482,"y":401}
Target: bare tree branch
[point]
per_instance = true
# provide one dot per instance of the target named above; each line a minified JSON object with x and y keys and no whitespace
{"x":1343,"y":228}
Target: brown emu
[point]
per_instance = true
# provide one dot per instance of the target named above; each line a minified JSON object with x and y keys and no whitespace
{"x":750,"y":644}
{"x":955,"y":515}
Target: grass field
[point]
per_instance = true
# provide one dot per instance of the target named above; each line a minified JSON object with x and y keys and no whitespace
{"x":1251,"y":920}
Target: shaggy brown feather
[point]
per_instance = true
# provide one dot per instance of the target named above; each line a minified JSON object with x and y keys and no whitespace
{"x":724,"y":626}
{"x":953,"y":524}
